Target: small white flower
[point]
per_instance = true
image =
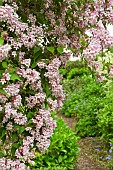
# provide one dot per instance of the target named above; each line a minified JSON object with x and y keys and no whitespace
{"x":3,"y":81}
{"x":14,"y":53}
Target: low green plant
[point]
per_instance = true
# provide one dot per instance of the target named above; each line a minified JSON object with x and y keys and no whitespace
{"x":77,"y":72}
{"x":51,"y":168}
{"x":105,"y":116}
{"x":74,"y":64}
{"x":63,"y":150}
{"x":74,"y":68}
{"x":83,"y":96}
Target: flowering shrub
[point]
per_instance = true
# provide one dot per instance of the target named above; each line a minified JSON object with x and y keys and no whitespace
{"x":26,"y":101}
{"x":32,"y":40}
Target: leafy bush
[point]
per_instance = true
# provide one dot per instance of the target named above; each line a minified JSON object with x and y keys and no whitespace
{"x":74,"y":64}
{"x":83,"y":98}
{"x":73,"y":68}
{"x":54,"y":168}
{"x":91,"y":102}
{"x":62,"y":152}
{"x":76,"y":72}
{"x":105,"y":116}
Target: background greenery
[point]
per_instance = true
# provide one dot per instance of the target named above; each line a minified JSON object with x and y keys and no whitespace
{"x":88,"y":100}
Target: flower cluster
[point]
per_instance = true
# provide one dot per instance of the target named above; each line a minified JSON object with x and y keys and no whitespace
{"x":29,"y":80}
{"x":4,"y":50}
{"x":28,"y":39}
{"x":54,"y":80}
{"x":26,"y":122}
{"x":100,"y":41}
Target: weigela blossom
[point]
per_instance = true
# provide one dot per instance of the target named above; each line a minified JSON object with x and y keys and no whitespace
{"x":16,"y":102}
{"x":31,"y":86}
{"x":12,"y":89}
{"x":4,"y":50}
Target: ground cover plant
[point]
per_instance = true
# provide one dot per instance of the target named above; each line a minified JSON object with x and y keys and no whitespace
{"x":33,"y":36}
{"x":105,"y":122}
{"x":83,"y":97}
{"x":63,"y":150}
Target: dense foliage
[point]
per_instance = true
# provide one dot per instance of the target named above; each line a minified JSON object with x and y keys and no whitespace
{"x":33,"y":36}
{"x":91,"y":102}
{"x":63,"y":150}
{"x":83,"y":95}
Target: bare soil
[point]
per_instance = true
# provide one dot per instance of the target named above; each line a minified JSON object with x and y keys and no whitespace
{"x":87,"y":146}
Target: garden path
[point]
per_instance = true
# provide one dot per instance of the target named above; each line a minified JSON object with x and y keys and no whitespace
{"x":86,"y":160}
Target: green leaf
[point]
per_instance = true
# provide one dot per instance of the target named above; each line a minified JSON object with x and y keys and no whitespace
{"x":30,"y":115}
{"x":1,"y":155}
{"x":34,"y":64}
{"x":60,"y":159}
{"x":72,"y":49}
{"x":4,"y":64}
{"x":3,"y":139}
{"x":3,"y":133}
{"x":1,"y":3}
{"x":15,"y":77}
{"x":72,"y":2}
{"x":111,"y":49}
{"x":51,"y":49}
{"x":36,"y":49}
{"x":21,"y":129}
{"x":63,"y":150}
{"x":3,"y":92}
{"x":12,"y":70}
{"x":60,"y":50}
{"x":13,"y":149}
{"x":14,"y":136}
{"x":16,"y":145}
{"x":30,"y":122}
{"x":48,"y":92}
{"x":1,"y":41}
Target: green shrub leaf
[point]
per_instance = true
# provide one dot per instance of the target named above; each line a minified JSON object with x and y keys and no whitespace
{"x":60,"y":50}
{"x":1,"y":41}
{"x":1,"y":155}
{"x":51,"y":49}
{"x":15,"y":77}
{"x":36,"y":49}
{"x":4,"y":64}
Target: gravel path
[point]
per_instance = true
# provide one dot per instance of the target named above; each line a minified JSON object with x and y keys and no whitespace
{"x":86,"y":160}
